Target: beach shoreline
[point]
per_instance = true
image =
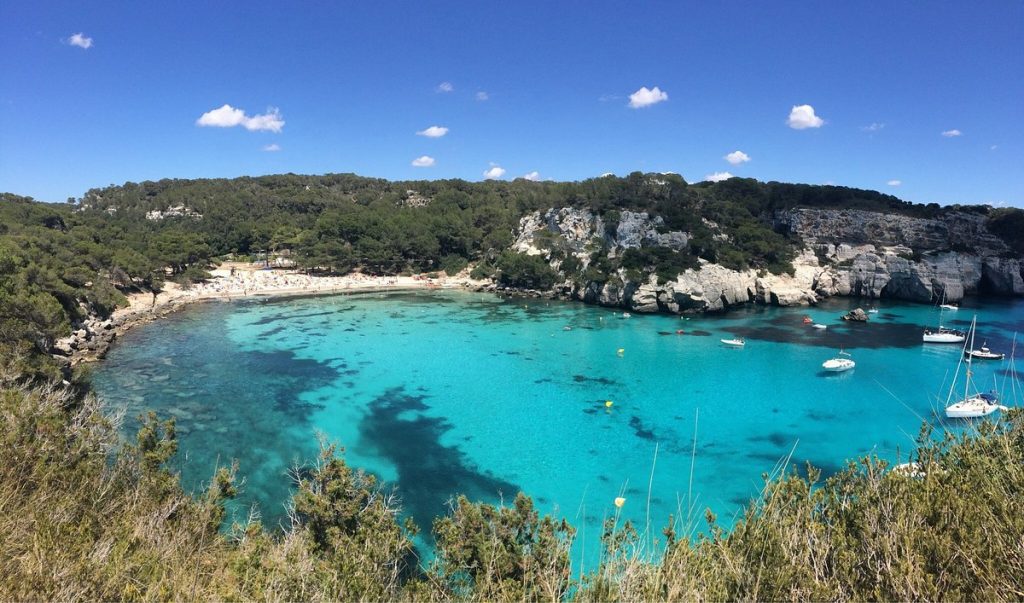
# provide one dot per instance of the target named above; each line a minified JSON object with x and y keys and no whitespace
{"x":232,"y":282}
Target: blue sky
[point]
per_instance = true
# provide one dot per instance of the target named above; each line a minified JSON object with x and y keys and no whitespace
{"x":353,"y":83}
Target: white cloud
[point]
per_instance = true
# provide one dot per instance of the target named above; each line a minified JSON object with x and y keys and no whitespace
{"x":952,"y":133}
{"x":802,"y":117}
{"x":80,"y":40}
{"x":894,"y":182}
{"x":874,"y":127}
{"x":270,"y":121}
{"x":718,"y":176}
{"x":433,"y":132}
{"x":494,"y":173}
{"x":424,"y":161}
{"x":645,"y":98}
{"x":737,"y":157}
{"x":272,"y":147}
{"x":228,"y":117}
{"x":534,"y":175}
{"x":482,"y":96}
{"x":445,"y":87}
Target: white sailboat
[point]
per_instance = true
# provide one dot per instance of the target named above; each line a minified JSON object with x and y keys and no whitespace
{"x":972,"y":405}
{"x":840,"y":363}
{"x":943,"y":334}
{"x":944,"y":306}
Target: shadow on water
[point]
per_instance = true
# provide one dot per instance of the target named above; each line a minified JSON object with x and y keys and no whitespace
{"x":429,"y":473}
{"x":600,"y":380}
{"x":238,"y":415}
{"x":266,"y":320}
{"x":849,"y":335}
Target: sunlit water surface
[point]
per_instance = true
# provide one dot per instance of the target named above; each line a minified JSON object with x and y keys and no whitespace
{"x":451,"y":392}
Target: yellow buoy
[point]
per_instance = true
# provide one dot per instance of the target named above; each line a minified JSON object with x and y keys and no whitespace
{"x":608,"y":403}
{"x":619,"y":501}
{"x":621,"y":351}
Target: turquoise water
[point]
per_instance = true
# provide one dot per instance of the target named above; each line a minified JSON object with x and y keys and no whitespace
{"x":442,"y":393}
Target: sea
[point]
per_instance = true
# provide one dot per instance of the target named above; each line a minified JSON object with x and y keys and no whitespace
{"x":442,"y":393}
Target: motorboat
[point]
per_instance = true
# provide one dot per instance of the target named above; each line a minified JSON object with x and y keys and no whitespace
{"x":944,"y":335}
{"x":984,"y":353}
{"x":872,"y":310}
{"x":736,"y":343}
{"x":626,"y":315}
{"x":840,"y":363}
{"x":971,"y":405}
{"x":818,"y":325}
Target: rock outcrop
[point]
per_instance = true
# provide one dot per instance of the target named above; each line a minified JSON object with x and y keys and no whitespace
{"x":918,"y":259}
{"x":847,"y":253}
{"x":572,"y":230}
{"x":856,"y":315}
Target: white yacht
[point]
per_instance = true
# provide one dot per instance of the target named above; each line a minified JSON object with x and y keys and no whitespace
{"x":978,"y":405}
{"x":972,"y":405}
{"x":944,"y":335}
{"x":984,"y":353}
{"x":840,"y":363}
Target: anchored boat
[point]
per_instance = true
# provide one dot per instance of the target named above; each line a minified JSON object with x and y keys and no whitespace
{"x":840,"y":363}
{"x":972,"y":405}
{"x":984,"y":353}
{"x":944,"y":335}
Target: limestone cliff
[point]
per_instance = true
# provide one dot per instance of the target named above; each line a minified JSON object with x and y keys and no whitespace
{"x":875,"y":255}
{"x":846,"y":253}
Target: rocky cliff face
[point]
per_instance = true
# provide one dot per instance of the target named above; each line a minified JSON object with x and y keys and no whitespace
{"x":952,"y":231}
{"x":573,"y":229}
{"x":884,"y":255}
{"x":711,"y":288}
{"x":848,"y":253}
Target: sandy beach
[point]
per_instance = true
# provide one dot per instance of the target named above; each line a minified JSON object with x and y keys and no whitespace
{"x":234,"y":281}
{"x":231,"y":281}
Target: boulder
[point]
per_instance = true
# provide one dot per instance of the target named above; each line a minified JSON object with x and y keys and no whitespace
{"x":856,"y":315}
{"x":644,"y":298}
{"x":65,"y":345}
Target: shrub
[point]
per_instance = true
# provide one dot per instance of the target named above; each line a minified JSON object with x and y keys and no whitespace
{"x":525,"y":271}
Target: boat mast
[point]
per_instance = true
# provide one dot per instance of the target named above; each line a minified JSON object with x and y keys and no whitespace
{"x":967,"y":381}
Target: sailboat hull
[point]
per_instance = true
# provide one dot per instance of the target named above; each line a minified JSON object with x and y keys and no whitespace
{"x":838,"y":365}
{"x":944,"y":338}
{"x":971,"y":408}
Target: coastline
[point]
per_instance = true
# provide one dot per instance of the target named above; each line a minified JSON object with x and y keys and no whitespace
{"x":231,"y":282}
